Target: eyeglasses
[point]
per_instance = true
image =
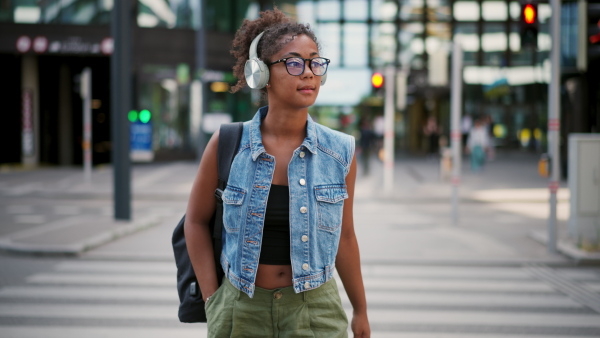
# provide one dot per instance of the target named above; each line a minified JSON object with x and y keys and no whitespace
{"x":295,"y":65}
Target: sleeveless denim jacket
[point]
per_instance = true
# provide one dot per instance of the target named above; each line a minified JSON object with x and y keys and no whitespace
{"x":316,"y":177}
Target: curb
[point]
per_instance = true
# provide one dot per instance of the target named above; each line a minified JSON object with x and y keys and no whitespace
{"x":568,"y":248}
{"x":10,"y":243}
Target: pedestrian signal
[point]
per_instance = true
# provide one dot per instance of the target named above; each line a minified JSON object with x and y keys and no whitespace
{"x":132,"y":116}
{"x":143,"y":116}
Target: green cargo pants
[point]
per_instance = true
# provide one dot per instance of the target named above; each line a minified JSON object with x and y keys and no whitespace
{"x":276,"y":313}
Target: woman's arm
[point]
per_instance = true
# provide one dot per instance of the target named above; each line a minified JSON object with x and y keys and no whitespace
{"x":348,"y":262}
{"x":201,"y":206}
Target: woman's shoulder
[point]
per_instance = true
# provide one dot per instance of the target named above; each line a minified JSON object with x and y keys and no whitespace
{"x":328,"y":134}
{"x":335,"y":142}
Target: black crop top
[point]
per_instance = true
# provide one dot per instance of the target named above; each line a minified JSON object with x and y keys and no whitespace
{"x":276,"y":233}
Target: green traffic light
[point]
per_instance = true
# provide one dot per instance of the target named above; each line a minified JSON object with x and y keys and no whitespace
{"x":145,"y":116}
{"x":132,"y":116}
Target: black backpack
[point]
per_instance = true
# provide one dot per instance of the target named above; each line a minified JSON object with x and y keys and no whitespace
{"x":191,"y":307}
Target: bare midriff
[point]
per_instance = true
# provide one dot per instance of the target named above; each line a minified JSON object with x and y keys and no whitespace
{"x":273,"y":276}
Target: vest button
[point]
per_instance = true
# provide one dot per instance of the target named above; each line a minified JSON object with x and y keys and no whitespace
{"x":306,"y":285}
{"x":302,"y":154}
{"x":304,"y":238}
{"x":303,"y":210}
{"x":302,"y":181}
{"x":305,"y":266}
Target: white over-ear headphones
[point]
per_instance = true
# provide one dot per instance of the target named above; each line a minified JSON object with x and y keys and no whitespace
{"x":256,"y":71}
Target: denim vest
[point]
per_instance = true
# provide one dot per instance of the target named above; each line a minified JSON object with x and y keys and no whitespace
{"x":316,"y":176}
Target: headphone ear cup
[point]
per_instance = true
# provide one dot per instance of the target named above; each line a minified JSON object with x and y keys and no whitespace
{"x":323,"y":79}
{"x":256,"y":73}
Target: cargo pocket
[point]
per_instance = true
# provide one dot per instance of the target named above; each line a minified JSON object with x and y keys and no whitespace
{"x":233,"y":198}
{"x":330,"y":205}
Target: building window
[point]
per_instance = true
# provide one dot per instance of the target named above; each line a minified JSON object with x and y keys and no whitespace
{"x":494,"y":11}
{"x":355,"y":49}
{"x":466,"y":34}
{"x":466,"y":11}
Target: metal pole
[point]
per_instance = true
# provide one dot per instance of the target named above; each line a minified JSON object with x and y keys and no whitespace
{"x":120,"y":67}
{"x":86,"y":95}
{"x":202,"y":90}
{"x":455,"y":132}
{"x":388,"y":134}
{"x":554,"y":121}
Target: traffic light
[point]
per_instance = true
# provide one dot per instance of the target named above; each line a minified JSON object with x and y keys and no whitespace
{"x":529,"y":25}
{"x":377,"y":80}
{"x":143,"y":116}
{"x":593,"y":29}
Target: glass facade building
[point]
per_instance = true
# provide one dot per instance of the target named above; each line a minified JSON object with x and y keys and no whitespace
{"x":182,"y":69}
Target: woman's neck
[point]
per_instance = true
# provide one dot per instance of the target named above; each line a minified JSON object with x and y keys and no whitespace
{"x":288,"y":123}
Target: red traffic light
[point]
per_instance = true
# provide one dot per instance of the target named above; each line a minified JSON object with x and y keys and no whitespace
{"x":529,"y":14}
{"x":377,"y":80}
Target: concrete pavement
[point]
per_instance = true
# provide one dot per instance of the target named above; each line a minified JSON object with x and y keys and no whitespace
{"x":54,"y":210}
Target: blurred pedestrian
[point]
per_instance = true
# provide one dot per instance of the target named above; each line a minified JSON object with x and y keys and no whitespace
{"x":489,"y":125}
{"x":477,"y":145}
{"x":466,"y":123}
{"x":432,"y":131}
{"x":367,"y":140}
{"x":288,"y":203}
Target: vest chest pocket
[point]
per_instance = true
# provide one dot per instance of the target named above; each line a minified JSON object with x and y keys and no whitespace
{"x":233,"y":198}
{"x":330,"y":205}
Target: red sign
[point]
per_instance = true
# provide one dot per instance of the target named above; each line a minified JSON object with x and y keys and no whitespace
{"x":107,"y":46}
{"x":40,"y":44}
{"x":23,"y":44}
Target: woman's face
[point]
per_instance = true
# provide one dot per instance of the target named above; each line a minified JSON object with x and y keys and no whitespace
{"x":294,"y":91}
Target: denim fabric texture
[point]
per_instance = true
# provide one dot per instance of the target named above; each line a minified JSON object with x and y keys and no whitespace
{"x":316,"y":178}
{"x":277,"y":313}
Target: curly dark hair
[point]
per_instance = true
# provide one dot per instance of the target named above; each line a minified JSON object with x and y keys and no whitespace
{"x":279,"y":30}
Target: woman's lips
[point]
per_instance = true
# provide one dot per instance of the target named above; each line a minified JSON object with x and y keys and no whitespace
{"x":307,"y":89}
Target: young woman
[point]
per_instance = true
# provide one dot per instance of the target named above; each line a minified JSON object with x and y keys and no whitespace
{"x":288,"y":222}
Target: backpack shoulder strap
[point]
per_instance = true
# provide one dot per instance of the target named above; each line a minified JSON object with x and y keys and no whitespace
{"x":230,"y":136}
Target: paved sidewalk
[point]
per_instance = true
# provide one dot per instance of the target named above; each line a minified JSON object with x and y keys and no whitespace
{"x":54,"y":210}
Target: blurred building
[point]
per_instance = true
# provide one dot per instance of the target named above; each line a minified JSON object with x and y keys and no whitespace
{"x":182,"y":72}
{"x":45,"y":45}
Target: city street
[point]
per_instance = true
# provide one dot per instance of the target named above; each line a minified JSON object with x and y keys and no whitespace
{"x":425,"y":277}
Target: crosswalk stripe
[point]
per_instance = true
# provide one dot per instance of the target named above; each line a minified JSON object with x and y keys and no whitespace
{"x":457,"y":285}
{"x":374,"y":297}
{"x":198,"y":331}
{"x":445,"y":272}
{"x":479,"y":318}
{"x":408,"y":317}
{"x":470,"y":299}
{"x":96,"y":311}
{"x":129,"y":267}
{"x":91,"y":293}
{"x":595,"y":287}
{"x":463,"y":335}
{"x":103,"y":279}
{"x":370,"y":283}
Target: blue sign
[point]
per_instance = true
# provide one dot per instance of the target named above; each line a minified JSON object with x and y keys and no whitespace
{"x":140,"y":135}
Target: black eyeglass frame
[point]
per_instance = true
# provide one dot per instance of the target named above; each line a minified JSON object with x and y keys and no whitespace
{"x":327,"y":61}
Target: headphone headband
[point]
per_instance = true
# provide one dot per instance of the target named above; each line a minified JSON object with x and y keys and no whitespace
{"x":254,"y":46}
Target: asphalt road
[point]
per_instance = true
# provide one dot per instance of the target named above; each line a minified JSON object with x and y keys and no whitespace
{"x":425,"y":277}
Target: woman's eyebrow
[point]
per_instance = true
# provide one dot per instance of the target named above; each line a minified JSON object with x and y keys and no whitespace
{"x":298,"y":54}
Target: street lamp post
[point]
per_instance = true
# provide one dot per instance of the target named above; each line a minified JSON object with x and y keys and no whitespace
{"x":121,"y":104}
{"x":554,"y":122}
